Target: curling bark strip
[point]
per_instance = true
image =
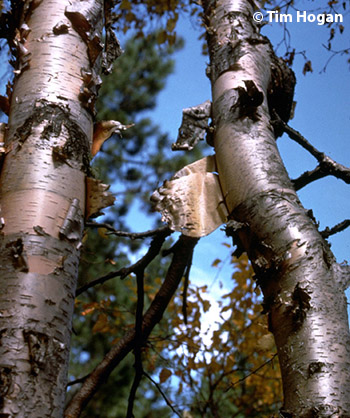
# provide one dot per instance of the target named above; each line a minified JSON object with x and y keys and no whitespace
{"x":293,"y":264}
{"x":43,"y":199}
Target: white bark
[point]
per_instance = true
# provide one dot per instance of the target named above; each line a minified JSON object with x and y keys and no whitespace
{"x":293,"y":264}
{"x":43,"y":200}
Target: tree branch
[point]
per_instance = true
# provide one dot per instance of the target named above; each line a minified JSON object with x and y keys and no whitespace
{"x":242,"y":379}
{"x":327,"y":166}
{"x":163,"y":394}
{"x":182,"y":253}
{"x":184,"y":293}
{"x":141,"y":264}
{"x":308,"y":177}
{"x":138,"y":343}
{"x":132,"y":235}
{"x":336,"y":228}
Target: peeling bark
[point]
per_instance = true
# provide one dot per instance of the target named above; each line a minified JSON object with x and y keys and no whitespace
{"x":194,"y":126}
{"x":194,"y":214}
{"x":47,"y":153}
{"x":293,"y":264}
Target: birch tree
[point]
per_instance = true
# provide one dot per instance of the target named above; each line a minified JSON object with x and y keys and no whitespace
{"x":303,"y":285}
{"x":43,"y":194}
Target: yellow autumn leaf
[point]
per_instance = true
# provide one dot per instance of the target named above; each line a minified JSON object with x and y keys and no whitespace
{"x":161,"y":37}
{"x":164,"y":375}
{"x":171,"y":23}
{"x":216,"y":262}
{"x":125,"y":5}
{"x":102,"y":232}
{"x":89,"y":308}
{"x":206,"y":305}
{"x":101,"y":325}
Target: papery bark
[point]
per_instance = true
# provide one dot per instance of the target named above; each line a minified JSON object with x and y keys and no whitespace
{"x":297,"y":272}
{"x":43,"y":199}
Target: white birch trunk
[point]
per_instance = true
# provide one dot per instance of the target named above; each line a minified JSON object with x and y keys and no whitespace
{"x":297,"y":272}
{"x":43,"y":201}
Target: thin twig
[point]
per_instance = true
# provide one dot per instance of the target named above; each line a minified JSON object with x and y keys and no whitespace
{"x":132,"y":235}
{"x":163,"y":394}
{"x":77,"y":381}
{"x":152,"y":252}
{"x":344,"y":51}
{"x":242,"y":379}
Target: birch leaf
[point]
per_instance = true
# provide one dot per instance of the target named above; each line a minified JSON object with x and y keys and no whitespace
{"x":164,"y":375}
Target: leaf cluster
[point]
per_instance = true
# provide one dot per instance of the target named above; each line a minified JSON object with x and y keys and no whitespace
{"x":216,"y":370}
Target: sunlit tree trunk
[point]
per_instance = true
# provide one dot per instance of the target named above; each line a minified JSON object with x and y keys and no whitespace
{"x":43,"y":199}
{"x":301,"y":281}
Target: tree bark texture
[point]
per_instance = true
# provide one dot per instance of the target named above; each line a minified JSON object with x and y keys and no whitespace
{"x":303,"y":292}
{"x":43,"y":199}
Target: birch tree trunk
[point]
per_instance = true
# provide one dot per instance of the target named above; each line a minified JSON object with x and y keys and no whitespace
{"x":43,"y":199}
{"x":301,"y":281}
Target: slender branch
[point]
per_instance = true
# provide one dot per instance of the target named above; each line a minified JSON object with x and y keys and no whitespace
{"x":242,"y":379}
{"x":77,"y":381}
{"x":138,"y":343}
{"x":327,"y":166}
{"x":132,"y":235}
{"x":182,"y":253}
{"x":344,"y":51}
{"x":336,"y":228}
{"x":308,"y":177}
{"x":184,"y":293}
{"x":135,"y":385}
{"x":152,"y":252}
{"x":163,"y":394}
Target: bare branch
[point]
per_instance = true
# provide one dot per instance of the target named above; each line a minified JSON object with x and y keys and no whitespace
{"x":327,"y":166}
{"x":242,"y":379}
{"x":163,"y":394}
{"x":138,"y":342}
{"x":341,"y":52}
{"x":140,"y":265}
{"x":184,"y":293}
{"x":336,"y":228}
{"x":308,"y":177}
{"x":132,"y":235}
{"x":153,"y":315}
{"x":77,"y":381}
